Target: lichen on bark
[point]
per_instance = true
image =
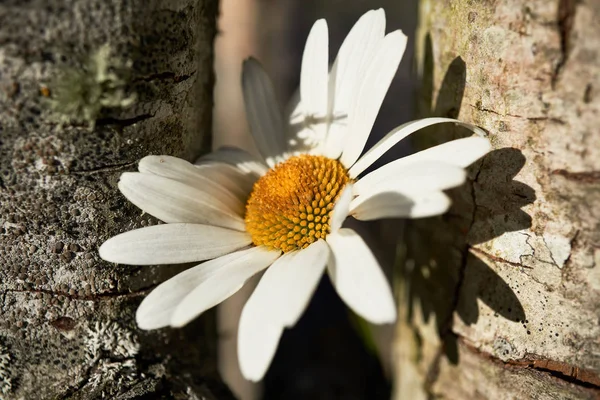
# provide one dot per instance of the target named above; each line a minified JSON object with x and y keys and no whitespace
{"x":67,"y":326}
{"x":505,"y":287}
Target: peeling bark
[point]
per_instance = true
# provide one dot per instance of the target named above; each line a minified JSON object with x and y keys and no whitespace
{"x":67,"y":326}
{"x":501,"y":296}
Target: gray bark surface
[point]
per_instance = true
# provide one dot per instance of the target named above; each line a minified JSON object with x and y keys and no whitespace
{"x":500,"y":297}
{"x":67,"y":326}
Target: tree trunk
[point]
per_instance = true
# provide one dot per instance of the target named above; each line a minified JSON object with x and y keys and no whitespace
{"x":87,"y":88}
{"x":500,"y":297}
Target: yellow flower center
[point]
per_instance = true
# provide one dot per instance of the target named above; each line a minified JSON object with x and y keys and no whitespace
{"x":290,"y":206}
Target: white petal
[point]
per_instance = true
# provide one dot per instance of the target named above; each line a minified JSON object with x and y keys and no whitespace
{"x":400,"y":205}
{"x":355,"y":55}
{"x":220,"y":277}
{"x":300,"y":138}
{"x":244,"y":161}
{"x":182,"y":171}
{"x":314,"y":71}
{"x":234,"y":168}
{"x":308,"y":120}
{"x":285,"y":289}
{"x":398,"y":134}
{"x":459,"y":152}
{"x":262,"y":111}
{"x":258,"y":338}
{"x":172,"y":201}
{"x":371,"y":93}
{"x":169,"y":167}
{"x":172,"y":244}
{"x":278,"y":301}
{"x":358,"y":279}
{"x":341,"y":209}
{"x":221,"y":280}
{"x":411,"y":178}
{"x":233,"y":179}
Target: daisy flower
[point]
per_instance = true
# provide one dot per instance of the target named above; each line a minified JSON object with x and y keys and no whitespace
{"x":283,"y":212}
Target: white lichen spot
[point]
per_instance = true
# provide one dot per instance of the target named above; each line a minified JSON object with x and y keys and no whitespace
{"x":510,"y":246}
{"x":503,"y":349}
{"x":530,"y":251}
{"x":117,"y":372}
{"x":111,"y":350}
{"x":495,"y":40}
{"x":5,"y":374}
{"x":109,"y":338}
{"x":559,"y":247}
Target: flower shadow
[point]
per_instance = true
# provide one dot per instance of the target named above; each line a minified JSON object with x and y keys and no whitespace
{"x":443,"y":279}
{"x":499,"y":197}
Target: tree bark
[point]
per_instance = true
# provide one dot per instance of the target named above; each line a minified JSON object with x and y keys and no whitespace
{"x":500,"y":297}
{"x":69,"y":126}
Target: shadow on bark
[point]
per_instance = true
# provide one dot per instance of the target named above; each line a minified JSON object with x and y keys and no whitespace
{"x":451,"y":91}
{"x":499,"y":197}
{"x":443,"y":277}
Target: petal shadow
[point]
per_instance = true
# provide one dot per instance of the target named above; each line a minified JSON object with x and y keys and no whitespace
{"x":499,"y":197}
{"x":482,"y":282}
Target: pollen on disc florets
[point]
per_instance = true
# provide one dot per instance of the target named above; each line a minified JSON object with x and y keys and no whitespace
{"x":290,"y":207}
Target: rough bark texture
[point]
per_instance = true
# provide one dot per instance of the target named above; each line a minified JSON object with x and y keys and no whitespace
{"x":501,"y":296}
{"x":67,"y":326}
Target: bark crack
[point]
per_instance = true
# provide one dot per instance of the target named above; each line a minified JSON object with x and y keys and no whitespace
{"x":122,"y":123}
{"x":91,"y":297}
{"x":489,"y":110}
{"x":530,"y":246}
{"x":167,"y":75}
{"x":558,"y":369}
{"x":106,"y":168}
{"x":533,"y":119}
{"x":533,"y":251}
{"x":565,"y":19}
{"x":554,"y":263}
{"x":583,"y":177}
{"x":492,"y":257}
